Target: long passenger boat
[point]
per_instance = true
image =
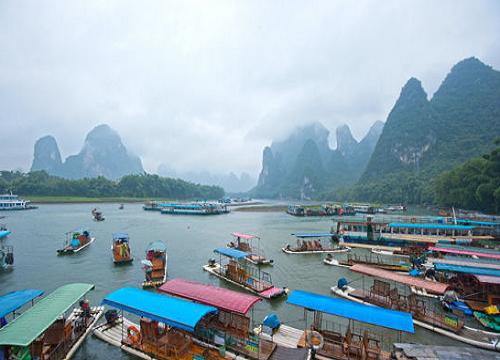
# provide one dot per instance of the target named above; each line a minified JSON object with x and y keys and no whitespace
{"x":353,"y":259}
{"x":324,"y":243}
{"x":231,"y":327}
{"x":239,"y":272}
{"x":246,"y":243}
{"x":12,"y":202}
{"x":332,"y":344}
{"x":47,"y":330}
{"x":194,"y":209}
{"x":466,"y":251}
{"x":166,"y":329}
{"x":450,"y":325}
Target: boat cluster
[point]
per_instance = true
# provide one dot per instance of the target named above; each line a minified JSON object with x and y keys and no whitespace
{"x":432,"y":273}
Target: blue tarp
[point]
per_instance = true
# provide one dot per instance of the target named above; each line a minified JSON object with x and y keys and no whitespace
{"x":396,"y":320}
{"x":123,"y":236}
{"x":233,"y":253}
{"x":299,"y":235}
{"x":12,"y":301}
{"x":467,"y":269}
{"x":157,"y":246}
{"x":175,"y":312}
{"x":431,"y":226}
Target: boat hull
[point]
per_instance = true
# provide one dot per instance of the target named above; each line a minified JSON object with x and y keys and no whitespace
{"x":326,"y":251}
{"x":69,"y":251}
{"x":493,"y":344}
{"x":215,"y":270}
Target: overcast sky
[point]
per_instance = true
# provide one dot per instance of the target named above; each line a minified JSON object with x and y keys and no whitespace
{"x":206,"y":85}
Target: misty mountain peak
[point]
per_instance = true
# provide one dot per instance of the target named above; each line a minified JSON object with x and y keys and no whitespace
{"x":345,"y":140}
{"x":46,"y":155}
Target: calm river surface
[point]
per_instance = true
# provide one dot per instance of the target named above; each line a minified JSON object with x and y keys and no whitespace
{"x":190,"y":240}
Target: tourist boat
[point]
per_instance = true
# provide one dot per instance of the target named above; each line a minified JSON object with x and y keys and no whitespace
{"x":11,"y":302}
{"x":6,"y":257}
{"x":394,"y":235}
{"x":121,"y":249}
{"x":4,"y":232}
{"x":330,"y":344}
{"x":231,"y":327}
{"x":450,"y":325}
{"x":245,"y":242}
{"x":353,"y":259}
{"x":166,"y":329}
{"x":194,"y":209}
{"x":47,"y":330}
{"x":76,"y":241}
{"x":12,"y":202}
{"x":243,"y":274}
{"x":152,"y":206}
{"x":97,"y":215}
{"x":155,"y":265}
{"x":315,"y":244}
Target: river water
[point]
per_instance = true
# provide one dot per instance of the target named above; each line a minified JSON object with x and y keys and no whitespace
{"x":190,"y":240}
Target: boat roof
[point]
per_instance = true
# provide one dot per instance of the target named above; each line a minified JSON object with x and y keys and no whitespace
{"x":230,"y":252}
{"x":391,"y":319}
{"x":224,"y":299}
{"x":23,"y":330}
{"x":175,"y":312}
{"x":120,"y":235}
{"x":485,"y":279}
{"x":244,"y":236}
{"x":475,"y":222}
{"x":13,"y":300}
{"x":157,"y":246}
{"x":431,"y":286}
{"x":431,"y":226}
{"x":465,"y":263}
{"x":463,"y":250}
{"x":307,"y":235}
{"x":475,"y":270}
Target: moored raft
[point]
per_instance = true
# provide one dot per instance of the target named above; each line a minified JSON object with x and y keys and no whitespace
{"x":44,"y":331}
{"x":322,"y":243}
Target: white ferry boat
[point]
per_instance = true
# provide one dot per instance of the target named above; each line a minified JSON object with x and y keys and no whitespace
{"x":12,"y":202}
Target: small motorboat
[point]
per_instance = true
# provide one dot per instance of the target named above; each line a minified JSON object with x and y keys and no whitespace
{"x":121,"y":249}
{"x":155,"y":265}
{"x":97,"y":215}
{"x":121,"y":207}
{"x":75,"y":241}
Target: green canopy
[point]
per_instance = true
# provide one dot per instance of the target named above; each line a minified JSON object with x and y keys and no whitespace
{"x":24,"y":329}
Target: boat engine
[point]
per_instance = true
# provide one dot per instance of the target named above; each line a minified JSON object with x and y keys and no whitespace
{"x":211,"y":262}
{"x":9,"y":259}
{"x":111,"y":316}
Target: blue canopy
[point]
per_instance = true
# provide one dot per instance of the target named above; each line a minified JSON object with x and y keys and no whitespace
{"x":299,"y":235}
{"x":467,"y":269}
{"x":233,"y":253}
{"x":120,"y":236}
{"x":4,"y":233}
{"x":474,"y":222}
{"x":396,"y":320}
{"x":431,"y":226}
{"x":175,"y":312}
{"x":12,"y":301}
{"x":157,"y":246}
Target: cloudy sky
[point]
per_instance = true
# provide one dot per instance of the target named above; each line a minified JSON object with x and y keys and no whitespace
{"x":207,"y":84}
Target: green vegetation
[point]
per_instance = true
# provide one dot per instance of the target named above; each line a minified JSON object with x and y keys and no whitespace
{"x":39,"y":183}
{"x":473,"y":185}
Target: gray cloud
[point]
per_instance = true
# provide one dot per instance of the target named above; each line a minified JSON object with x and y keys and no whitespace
{"x":205,"y":85}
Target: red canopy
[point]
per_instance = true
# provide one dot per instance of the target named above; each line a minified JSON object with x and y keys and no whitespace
{"x":243,"y":236}
{"x":466,"y":252}
{"x":430,"y":286}
{"x":220,"y":298}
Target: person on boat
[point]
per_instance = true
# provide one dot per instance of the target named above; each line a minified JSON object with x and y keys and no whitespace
{"x":449,"y":297}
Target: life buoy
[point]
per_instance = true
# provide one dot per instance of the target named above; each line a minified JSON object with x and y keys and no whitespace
{"x":134,"y":335}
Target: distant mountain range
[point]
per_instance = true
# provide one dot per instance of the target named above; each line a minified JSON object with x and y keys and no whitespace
{"x":231,"y":182}
{"x":303,"y":165}
{"x":102,"y":154}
